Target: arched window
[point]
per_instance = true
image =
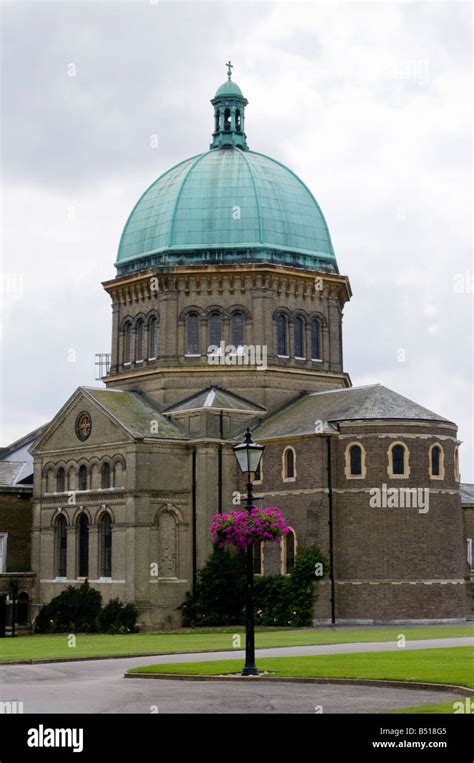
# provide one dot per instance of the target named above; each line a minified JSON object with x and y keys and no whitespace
{"x":83,"y":546}
{"x":315,"y":340}
{"x":299,"y":338}
{"x":105,"y":476}
{"x":153,"y":337}
{"x":356,"y":459}
{"x":192,"y":330}
{"x":60,"y":480}
{"x":238,"y":125}
{"x":218,"y":119}
{"x":281,"y":336}
{"x":82,"y":482}
{"x":215,"y":329}
{"x":61,"y":547}
{"x":127,"y":343}
{"x":140,"y":346}
{"x":289,"y":465}
{"x":105,"y":530}
{"x":167,"y":546}
{"x":238,"y":329}
{"x":435,"y":460}
{"x":227,"y":119}
{"x":398,"y":460}
{"x":288,"y":552}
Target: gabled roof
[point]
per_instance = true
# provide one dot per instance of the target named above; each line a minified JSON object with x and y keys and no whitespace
{"x":135,"y":413}
{"x":16,"y":462}
{"x":217,"y":398}
{"x":467,"y":494}
{"x":372,"y":402}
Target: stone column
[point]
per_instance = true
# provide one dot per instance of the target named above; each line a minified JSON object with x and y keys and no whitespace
{"x":71,"y":559}
{"x":94,"y":571}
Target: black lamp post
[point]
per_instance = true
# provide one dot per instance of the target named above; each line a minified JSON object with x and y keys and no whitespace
{"x":248,"y":455}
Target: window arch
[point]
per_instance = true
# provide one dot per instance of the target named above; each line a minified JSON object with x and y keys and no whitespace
{"x":153,"y":338}
{"x":315,"y":339}
{"x":237,"y":325}
{"x":398,"y":461}
{"x":61,"y":546}
{"x":238,"y":125}
{"x":288,"y":552}
{"x":299,"y":337}
{"x":289,"y":464}
{"x":355,"y":457}
{"x":82,"y":481}
{"x":140,"y":345}
{"x":127,"y":342}
{"x":83,"y":542}
{"x":105,"y":476}
{"x":282,"y":343}
{"x":227,"y":120}
{"x":192,"y":332}
{"x":105,"y":535}
{"x":60,"y":480}
{"x":436,"y":462}
{"x":215,"y":329}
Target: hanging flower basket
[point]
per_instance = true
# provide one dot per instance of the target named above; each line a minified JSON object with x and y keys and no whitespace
{"x":242,"y":528}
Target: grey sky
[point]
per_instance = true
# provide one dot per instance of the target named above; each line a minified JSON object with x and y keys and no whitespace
{"x":368,"y":103}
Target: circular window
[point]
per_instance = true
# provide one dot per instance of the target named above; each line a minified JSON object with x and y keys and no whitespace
{"x":83,"y":426}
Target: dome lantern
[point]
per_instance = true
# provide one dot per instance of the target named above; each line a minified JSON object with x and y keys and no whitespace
{"x":229,"y":115}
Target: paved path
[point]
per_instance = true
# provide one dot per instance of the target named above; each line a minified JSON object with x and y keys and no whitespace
{"x":98,"y":686}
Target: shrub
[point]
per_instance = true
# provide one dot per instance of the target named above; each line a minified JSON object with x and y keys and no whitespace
{"x":280,"y":600}
{"x":79,"y":610}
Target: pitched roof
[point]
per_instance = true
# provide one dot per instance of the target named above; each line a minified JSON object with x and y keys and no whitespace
{"x":467,"y":494}
{"x":372,"y":402}
{"x":16,"y":461}
{"x":217,"y":398}
{"x":136,"y":414}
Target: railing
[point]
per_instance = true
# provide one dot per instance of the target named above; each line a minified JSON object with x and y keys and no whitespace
{"x":102,"y":364}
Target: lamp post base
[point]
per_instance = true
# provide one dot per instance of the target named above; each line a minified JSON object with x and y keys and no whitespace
{"x":250,"y":670}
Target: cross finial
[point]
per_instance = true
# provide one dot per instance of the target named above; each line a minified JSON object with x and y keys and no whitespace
{"x":229,"y":69}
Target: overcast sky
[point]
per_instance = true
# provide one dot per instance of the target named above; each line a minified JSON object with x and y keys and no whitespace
{"x":369,"y":103}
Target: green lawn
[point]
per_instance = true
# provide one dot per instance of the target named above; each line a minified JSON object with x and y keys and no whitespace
{"x":454,"y":665}
{"x":437,"y":709}
{"x":57,"y":646}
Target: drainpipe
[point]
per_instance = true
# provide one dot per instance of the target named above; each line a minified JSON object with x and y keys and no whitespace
{"x":331,"y":532}
{"x":219,"y":463}
{"x":194,"y":538}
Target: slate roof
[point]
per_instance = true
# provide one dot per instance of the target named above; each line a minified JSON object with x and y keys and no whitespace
{"x":217,"y":398}
{"x":16,"y":462}
{"x":135,"y":413}
{"x":467,"y":494}
{"x":371,"y":402}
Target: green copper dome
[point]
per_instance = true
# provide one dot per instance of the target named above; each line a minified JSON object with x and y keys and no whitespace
{"x":228,"y":205}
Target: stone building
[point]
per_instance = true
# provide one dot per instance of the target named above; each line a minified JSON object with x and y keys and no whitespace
{"x":227,"y":313}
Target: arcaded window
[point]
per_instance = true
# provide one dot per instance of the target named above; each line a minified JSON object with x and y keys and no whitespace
{"x":356,"y":460}
{"x":299,"y":338}
{"x":82,"y":481}
{"x":289,"y":465}
{"x":288,"y":551}
{"x":192,"y":330}
{"x":83,"y":527}
{"x":315,"y":340}
{"x":60,"y":480}
{"x":61,"y":547}
{"x":281,"y":336}
{"x":238,"y":329}
{"x":105,"y":476}
{"x":105,"y":530}
{"x":398,"y":457}
{"x":140,"y":351}
{"x":215,"y":329}
{"x":153,"y":337}
{"x":127,"y":343}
